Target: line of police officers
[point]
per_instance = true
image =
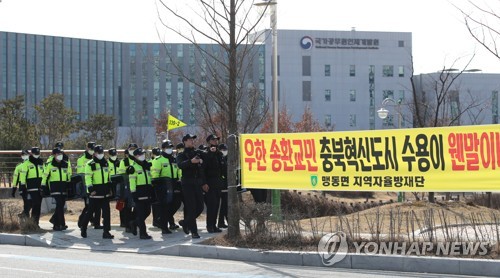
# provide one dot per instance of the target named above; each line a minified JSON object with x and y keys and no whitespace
{"x":193,"y":177}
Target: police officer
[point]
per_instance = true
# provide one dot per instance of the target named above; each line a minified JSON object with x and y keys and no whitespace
{"x":97,"y":180}
{"x":164,"y":174}
{"x":56,"y":176}
{"x":175,"y":204}
{"x":81,"y":163}
{"x":155,"y":204}
{"x":223,"y":195}
{"x":193,"y":184}
{"x":213,"y":174}
{"x":31,"y":175}
{"x":113,"y":165}
{"x":17,"y":182}
{"x":140,"y":187}
{"x":127,"y":214}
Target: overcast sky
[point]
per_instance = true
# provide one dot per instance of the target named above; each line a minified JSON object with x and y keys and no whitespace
{"x":440,"y":38}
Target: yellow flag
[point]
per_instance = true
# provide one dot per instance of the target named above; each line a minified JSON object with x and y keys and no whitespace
{"x":173,"y":123}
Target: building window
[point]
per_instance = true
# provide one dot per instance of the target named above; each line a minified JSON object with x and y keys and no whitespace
{"x":401,"y":96}
{"x":352,"y":95}
{"x":401,"y":43}
{"x":306,"y":65}
{"x":352,"y":120}
{"x":388,"y":71}
{"x":328,"y":95}
{"x":328,"y":121}
{"x":388,"y":94}
{"x":327,"y":70}
{"x":401,"y":71}
{"x":352,"y":70}
{"x":306,"y":90}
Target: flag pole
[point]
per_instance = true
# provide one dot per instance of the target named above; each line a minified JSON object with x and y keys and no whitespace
{"x":168,"y":115}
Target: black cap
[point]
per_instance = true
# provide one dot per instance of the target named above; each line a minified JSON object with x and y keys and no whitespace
{"x":212,"y":136}
{"x":56,"y":151}
{"x":188,"y":136}
{"x":139,"y":151}
{"x":222,"y":146}
{"x":156,"y":151}
{"x":98,"y":149}
{"x":132,"y":145}
{"x":112,"y":151}
{"x":35,"y":150}
{"x":59,"y":145}
{"x":179,"y":146}
{"x":166,"y":144}
{"x":25,"y":152}
{"x":91,"y":145}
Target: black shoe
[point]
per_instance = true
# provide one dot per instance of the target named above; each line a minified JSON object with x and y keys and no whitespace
{"x":133,"y":228}
{"x":156,"y":224}
{"x":108,"y":236}
{"x":83,"y":233}
{"x":165,"y":231}
{"x":195,"y":235}
{"x":222,"y":226}
{"x":184,"y":227}
{"x":146,"y":236}
{"x":128,"y":230}
{"x":217,"y":230}
{"x":174,"y":227}
{"x":123,"y":225}
{"x":98,"y":227}
{"x":57,"y":228}
{"x":64,"y":227}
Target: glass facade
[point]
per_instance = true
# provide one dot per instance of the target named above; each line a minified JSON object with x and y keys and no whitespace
{"x":135,"y":82}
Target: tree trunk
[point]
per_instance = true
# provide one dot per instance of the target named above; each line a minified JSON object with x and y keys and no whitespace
{"x":431,"y":197}
{"x":233,"y":231}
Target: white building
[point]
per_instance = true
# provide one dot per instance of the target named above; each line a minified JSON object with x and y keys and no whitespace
{"x":343,"y":76}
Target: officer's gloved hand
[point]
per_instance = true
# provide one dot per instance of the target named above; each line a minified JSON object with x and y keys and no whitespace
{"x":44,"y":191}
{"x":14,"y":189}
{"x":130,"y":170}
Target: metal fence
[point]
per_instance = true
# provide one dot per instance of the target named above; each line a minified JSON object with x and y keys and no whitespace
{"x":10,"y":159}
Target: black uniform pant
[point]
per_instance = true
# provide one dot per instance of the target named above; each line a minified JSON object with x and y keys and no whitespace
{"x":57,"y":218}
{"x":193,"y":202}
{"x":212,"y":200}
{"x":223,"y":208}
{"x":26,"y":203}
{"x":35,"y":202}
{"x":96,"y":204}
{"x":173,"y":207}
{"x":142,"y":211}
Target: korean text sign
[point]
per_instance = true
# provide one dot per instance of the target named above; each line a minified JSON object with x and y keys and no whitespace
{"x":449,"y":159}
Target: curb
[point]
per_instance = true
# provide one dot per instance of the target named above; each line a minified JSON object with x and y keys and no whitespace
{"x":435,"y":265}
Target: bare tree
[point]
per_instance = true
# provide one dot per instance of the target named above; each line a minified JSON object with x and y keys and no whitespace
{"x":229,"y":27}
{"x":438,"y":100}
{"x":482,"y":23}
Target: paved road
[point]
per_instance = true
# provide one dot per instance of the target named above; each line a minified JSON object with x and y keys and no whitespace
{"x":22,"y":261}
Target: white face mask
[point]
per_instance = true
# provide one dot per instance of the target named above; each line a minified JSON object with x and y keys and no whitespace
{"x":99,"y":156}
{"x":224,"y":153}
{"x":113,"y":157}
{"x":36,"y":155}
{"x":24,"y":157}
{"x":59,"y":157}
{"x":141,"y":158}
{"x":91,"y":152}
{"x":169,"y":151}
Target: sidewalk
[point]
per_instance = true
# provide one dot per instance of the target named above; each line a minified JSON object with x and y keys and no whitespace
{"x":180,"y":244}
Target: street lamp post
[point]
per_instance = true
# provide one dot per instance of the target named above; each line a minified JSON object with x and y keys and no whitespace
{"x":275,"y":194}
{"x":383,"y":113}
